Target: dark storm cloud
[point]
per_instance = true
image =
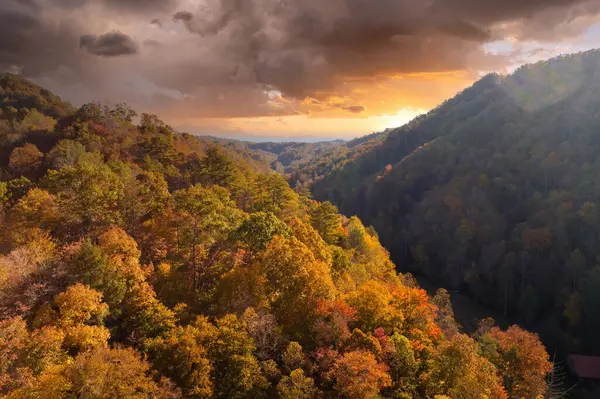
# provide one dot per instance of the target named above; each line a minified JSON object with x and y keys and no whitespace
{"x":213,"y":19}
{"x":137,"y":6}
{"x":301,"y":47}
{"x":32,"y":44}
{"x":111,"y":44}
{"x":233,"y":53}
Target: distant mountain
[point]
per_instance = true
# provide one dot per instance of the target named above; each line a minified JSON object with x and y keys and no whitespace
{"x":496,"y":191}
{"x":283,"y":157}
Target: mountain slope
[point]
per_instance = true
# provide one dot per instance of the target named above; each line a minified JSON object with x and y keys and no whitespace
{"x":496,"y":191}
{"x":139,"y":262}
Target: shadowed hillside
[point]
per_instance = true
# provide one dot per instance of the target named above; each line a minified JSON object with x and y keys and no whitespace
{"x":496,"y":191}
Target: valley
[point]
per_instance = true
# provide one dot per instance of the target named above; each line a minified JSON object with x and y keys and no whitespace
{"x":492,"y":196}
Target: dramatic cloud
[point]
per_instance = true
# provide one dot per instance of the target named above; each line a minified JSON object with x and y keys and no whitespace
{"x":251,"y":58}
{"x":110,"y":44}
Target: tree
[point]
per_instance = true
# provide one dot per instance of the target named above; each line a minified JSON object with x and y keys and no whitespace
{"x":25,"y":160}
{"x":294,"y":281}
{"x":35,"y":120}
{"x":208,"y":214}
{"x":293,"y":357}
{"x":81,"y":315}
{"x":217,"y":168}
{"x":146,"y":194}
{"x":522,"y":362}
{"x":80,"y":304}
{"x":403,"y":365}
{"x":258,"y":229}
{"x":372,"y":302}
{"x":445,"y":314}
{"x":102,"y":373}
{"x":271,"y":193}
{"x":326,"y":220}
{"x":13,"y":339}
{"x":144,"y":316}
{"x":460,"y":372}
{"x":236,"y":371}
{"x":358,"y":375}
{"x":123,"y":113}
{"x":37,"y":210}
{"x":94,"y":268}
{"x":182,"y":356}
{"x":265,"y":332}
{"x":311,"y":238}
{"x":86,"y":195}
{"x":296,"y":386}
{"x":66,"y":153}
{"x":576,"y":265}
{"x":331,"y":327}
{"x":149,"y":123}
{"x":590,"y":298}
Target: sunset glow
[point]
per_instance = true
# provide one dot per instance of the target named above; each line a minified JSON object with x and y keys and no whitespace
{"x":283,"y":69}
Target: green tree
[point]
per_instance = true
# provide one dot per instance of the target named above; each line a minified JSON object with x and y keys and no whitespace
{"x":403,"y":365}
{"x":326,"y":220}
{"x":217,"y":168}
{"x":296,"y":386}
{"x":236,"y":371}
{"x":258,"y":229}
{"x":207,"y":215}
{"x":86,"y":195}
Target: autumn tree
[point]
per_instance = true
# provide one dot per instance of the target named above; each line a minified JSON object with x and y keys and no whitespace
{"x":294,"y":280}
{"x":25,"y":160}
{"x":296,"y":386}
{"x":102,"y":373}
{"x":358,"y":375}
{"x":86,"y":195}
{"x":182,"y":356}
{"x":522,"y":362}
{"x":460,"y":372}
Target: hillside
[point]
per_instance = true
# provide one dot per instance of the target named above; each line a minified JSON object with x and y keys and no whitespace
{"x":139,"y":262}
{"x":496,"y":192}
{"x":283,"y":157}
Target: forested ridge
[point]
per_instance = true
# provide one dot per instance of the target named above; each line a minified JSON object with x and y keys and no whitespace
{"x":496,"y":192}
{"x":137,"y":262}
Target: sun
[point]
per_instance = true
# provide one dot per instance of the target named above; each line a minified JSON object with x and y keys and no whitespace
{"x":400,"y":118}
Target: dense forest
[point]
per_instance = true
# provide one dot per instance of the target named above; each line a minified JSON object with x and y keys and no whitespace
{"x":137,"y":262}
{"x":302,"y":163}
{"x":496,"y":192}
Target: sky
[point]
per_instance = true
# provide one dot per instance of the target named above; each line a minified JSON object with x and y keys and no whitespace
{"x":283,"y":69}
